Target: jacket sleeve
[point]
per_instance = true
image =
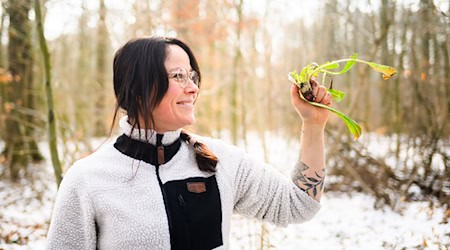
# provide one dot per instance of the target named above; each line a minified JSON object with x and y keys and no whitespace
{"x":73,"y":221}
{"x":264,"y":193}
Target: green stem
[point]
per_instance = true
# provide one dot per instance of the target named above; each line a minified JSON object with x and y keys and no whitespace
{"x":352,"y":125}
{"x":339,"y":61}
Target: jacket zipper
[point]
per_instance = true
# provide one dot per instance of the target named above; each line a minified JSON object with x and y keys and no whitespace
{"x":182,"y":203}
{"x":163,"y":192}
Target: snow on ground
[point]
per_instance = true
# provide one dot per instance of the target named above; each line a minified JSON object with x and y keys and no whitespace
{"x":26,"y":209}
{"x":350,"y":222}
{"x":345,"y":221}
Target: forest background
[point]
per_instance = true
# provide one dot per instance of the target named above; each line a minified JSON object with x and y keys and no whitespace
{"x":245,"y":49}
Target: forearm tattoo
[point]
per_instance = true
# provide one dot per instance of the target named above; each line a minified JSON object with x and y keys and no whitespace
{"x":308,"y":181}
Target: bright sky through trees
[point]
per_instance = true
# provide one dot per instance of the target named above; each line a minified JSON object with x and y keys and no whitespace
{"x":62,"y":15}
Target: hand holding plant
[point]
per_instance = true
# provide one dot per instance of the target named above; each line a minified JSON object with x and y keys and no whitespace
{"x":303,"y":81}
{"x":308,"y":113}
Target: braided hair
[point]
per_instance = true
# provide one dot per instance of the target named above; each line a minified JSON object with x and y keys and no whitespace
{"x":206,"y":160}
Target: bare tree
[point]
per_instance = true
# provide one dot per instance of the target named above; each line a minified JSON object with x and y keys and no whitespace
{"x":20,"y":142}
{"x":52,"y":137}
{"x":102,"y":48}
{"x":237,"y":57}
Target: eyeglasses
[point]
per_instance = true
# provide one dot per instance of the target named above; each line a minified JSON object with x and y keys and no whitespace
{"x":181,"y":75}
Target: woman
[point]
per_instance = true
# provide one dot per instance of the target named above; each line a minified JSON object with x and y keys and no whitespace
{"x":158,"y":187}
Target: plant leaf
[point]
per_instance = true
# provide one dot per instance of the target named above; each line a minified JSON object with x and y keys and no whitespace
{"x":352,"y":125}
{"x":332,"y":65}
{"x":349,"y":64}
{"x":336,"y":94}
{"x":308,"y":72}
{"x":387,"y":71}
{"x":303,"y":75}
{"x":293,"y":77}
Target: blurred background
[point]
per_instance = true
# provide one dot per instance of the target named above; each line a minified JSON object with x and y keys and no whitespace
{"x":245,"y":49}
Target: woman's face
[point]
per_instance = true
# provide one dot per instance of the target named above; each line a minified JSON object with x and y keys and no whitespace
{"x":176,"y":109}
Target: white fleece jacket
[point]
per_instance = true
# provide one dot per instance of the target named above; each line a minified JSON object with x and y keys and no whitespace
{"x":111,"y":201}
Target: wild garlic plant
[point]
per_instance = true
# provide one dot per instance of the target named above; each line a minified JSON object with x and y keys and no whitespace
{"x":302,"y":80}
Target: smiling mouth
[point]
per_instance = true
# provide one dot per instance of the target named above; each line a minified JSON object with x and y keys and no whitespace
{"x":187,"y":104}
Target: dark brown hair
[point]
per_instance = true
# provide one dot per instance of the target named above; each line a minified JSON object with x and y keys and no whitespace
{"x":140,"y":83}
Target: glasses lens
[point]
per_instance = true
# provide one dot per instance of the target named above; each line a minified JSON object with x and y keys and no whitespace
{"x":181,"y":75}
{"x":194,"y":77}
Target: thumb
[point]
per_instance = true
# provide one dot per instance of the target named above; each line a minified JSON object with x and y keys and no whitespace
{"x":295,"y":97}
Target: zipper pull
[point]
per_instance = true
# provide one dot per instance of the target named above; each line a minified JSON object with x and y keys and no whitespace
{"x":181,"y":200}
{"x":160,"y":150}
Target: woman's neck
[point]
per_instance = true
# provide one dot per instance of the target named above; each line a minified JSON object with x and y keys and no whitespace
{"x":147,"y":135}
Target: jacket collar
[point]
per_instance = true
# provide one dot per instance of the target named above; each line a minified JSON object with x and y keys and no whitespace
{"x":149,"y":137}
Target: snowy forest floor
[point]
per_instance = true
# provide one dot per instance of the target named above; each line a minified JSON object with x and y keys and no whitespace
{"x":346,"y":221}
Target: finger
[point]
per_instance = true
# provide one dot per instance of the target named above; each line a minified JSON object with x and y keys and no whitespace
{"x":314,"y":85}
{"x":294,"y":89}
{"x":327,"y":99}
{"x":295,"y":98}
{"x":321,"y":93}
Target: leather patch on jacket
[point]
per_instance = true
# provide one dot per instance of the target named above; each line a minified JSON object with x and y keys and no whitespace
{"x":196,"y":187}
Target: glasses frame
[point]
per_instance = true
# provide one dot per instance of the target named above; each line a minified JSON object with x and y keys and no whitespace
{"x":181,"y":75}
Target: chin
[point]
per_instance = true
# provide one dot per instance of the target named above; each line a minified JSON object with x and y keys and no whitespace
{"x":191,"y":121}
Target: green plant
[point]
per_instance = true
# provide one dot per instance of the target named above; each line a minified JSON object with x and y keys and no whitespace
{"x":303,"y":79}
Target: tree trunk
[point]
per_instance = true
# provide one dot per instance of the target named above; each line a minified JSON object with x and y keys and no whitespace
{"x":20,"y":144}
{"x":187,"y":30}
{"x":143,"y":14}
{"x":268,"y":73}
{"x":4,"y":74}
{"x":386,"y":90}
{"x":52,"y":137}
{"x":82,"y":70}
{"x":398,"y":111}
{"x":235,"y":75}
{"x":329,"y":30}
{"x":102,"y":45}
{"x":445,"y":55}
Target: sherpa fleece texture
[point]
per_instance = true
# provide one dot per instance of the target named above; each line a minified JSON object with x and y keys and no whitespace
{"x":111,"y":201}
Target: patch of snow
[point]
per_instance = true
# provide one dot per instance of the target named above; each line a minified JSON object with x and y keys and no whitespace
{"x":350,"y":222}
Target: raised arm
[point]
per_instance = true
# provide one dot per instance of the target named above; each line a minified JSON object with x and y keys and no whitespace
{"x":309,"y":172}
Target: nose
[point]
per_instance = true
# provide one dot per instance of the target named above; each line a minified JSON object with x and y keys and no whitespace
{"x":191,"y":86}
